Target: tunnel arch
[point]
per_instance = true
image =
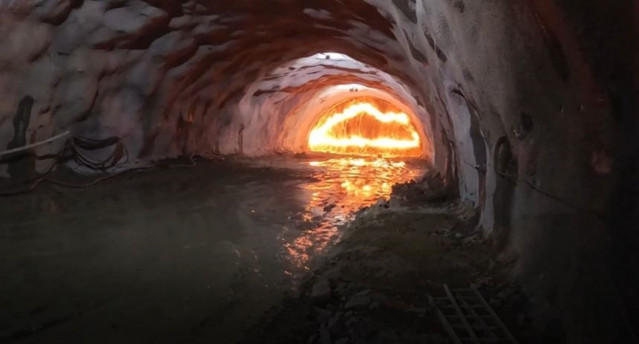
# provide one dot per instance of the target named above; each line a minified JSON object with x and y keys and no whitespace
{"x":311,"y":111}
{"x":507,"y":176}
{"x":278,"y":110}
{"x":169,"y":78}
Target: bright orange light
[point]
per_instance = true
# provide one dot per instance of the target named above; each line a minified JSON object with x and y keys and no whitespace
{"x":344,"y":184}
{"x":362,"y":128}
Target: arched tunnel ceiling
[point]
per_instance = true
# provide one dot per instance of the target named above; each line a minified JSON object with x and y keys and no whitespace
{"x":174,"y":57}
{"x":529,"y":103}
{"x":282,"y":106}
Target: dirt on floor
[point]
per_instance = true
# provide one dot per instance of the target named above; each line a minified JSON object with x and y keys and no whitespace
{"x":375,"y":286}
{"x":372,"y":287}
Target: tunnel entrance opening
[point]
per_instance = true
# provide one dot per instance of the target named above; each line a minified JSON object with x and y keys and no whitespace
{"x":365,"y":126}
{"x":370,"y":143}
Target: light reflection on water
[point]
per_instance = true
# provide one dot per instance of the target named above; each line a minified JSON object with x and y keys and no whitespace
{"x":226,"y":238}
{"x":342,"y":186}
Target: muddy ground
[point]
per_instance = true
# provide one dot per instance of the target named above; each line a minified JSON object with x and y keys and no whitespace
{"x":374,"y":287}
{"x":201,"y":255}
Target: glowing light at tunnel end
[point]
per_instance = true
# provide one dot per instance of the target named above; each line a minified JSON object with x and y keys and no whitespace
{"x":323,"y":139}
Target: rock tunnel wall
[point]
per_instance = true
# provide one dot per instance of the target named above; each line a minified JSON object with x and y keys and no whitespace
{"x":528,"y":103}
{"x":278,"y":112}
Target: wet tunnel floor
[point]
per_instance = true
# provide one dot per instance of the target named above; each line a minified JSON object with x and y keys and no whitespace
{"x":177,"y":255}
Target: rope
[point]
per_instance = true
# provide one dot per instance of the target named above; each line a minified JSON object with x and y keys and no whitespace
{"x":45,"y":179}
{"x":37,"y":144}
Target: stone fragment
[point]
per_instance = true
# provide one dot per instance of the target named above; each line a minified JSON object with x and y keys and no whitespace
{"x":321,"y":292}
{"x":341,"y":341}
{"x":336,"y":324}
{"x":323,"y":315}
{"x":325,"y":336}
{"x":358,"y":302}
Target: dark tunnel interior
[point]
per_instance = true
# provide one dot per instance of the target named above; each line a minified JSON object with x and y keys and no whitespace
{"x":305,"y":171}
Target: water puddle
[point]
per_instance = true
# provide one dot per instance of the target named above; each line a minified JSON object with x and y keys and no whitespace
{"x":197,"y":251}
{"x":339,"y":187}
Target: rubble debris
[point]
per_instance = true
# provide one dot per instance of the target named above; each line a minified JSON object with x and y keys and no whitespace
{"x":430,"y":188}
{"x":375,"y":287}
{"x":321,"y":292}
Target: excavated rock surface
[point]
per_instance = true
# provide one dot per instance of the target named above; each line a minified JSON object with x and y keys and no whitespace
{"x":529,"y":104}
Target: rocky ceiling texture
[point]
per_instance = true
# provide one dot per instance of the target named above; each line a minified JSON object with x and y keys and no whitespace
{"x":527,"y":104}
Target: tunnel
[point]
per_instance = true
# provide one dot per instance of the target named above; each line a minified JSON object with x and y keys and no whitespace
{"x":130,"y":130}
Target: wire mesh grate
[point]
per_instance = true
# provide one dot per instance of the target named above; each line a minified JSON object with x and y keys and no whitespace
{"x":469,"y":319}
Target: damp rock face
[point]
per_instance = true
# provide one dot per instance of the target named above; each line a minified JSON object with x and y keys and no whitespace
{"x":528,"y":106}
